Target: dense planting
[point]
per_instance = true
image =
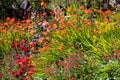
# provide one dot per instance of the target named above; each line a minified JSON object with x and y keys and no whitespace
{"x":81,"y":46}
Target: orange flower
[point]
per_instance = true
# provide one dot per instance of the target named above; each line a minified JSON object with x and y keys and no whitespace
{"x":62,"y":31}
{"x":59,"y":49}
{"x":32,"y":64}
{"x":41,"y":49}
{"x":43,"y":3}
{"x":5,"y":24}
{"x":62,"y":20}
{"x":4,"y":31}
{"x":0,"y":42}
{"x":0,"y":27}
{"x":47,"y":38}
{"x":97,"y":11}
{"x":32,"y":32}
{"x":74,"y":26}
{"x":87,"y":11}
{"x":54,"y":26}
{"x":47,"y":48}
{"x":23,"y":21}
{"x":108,"y":12}
{"x":45,"y":33}
{"x":8,"y":19}
{"x":15,"y":31}
{"x":73,"y":21}
{"x":68,"y":22}
{"x":17,"y":39}
{"x":12,"y":20}
{"x":30,"y":57}
{"x":81,"y":7}
{"x":28,"y":21}
{"x":86,"y":22}
{"x":41,"y":40}
{"x":69,"y":8}
{"x":20,"y":27}
{"x":48,"y":31}
{"x":80,"y":29}
{"x":46,"y":45}
{"x":32,"y":48}
{"x":5,"y":40}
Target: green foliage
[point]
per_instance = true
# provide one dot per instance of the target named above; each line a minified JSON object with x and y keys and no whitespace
{"x":96,"y":43}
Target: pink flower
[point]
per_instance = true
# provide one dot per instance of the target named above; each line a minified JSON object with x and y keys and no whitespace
{"x":44,"y":14}
{"x":58,"y":11}
{"x":23,"y":41}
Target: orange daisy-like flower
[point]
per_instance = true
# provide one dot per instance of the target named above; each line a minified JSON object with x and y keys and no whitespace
{"x":81,"y":7}
{"x":86,"y":22}
{"x":12,"y":21}
{"x":28,"y":21}
{"x":8,"y":19}
{"x":88,"y":11}
{"x":43,"y":3}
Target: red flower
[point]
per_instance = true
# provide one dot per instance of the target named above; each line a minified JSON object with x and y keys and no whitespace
{"x":20,"y":72}
{"x":17,"y":56}
{"x":12,"y":71}
{"x":115,"y":55}
{"x":118,"y":51}
{"x":24,"y":78}
{"x":0,"y":61}
{"x":16,"y":75}
{"x":22,"y":47}
{"x":73,"y":78}
{"x":32,"y":70}
{"x":18,"y":45}
{"x":14,"y":45}
{"x":0,"y":75}
{"x":26,"y":59}
{"x":19,"y":61}
{"x":107,"y":56}
{"x":27,"y":50}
